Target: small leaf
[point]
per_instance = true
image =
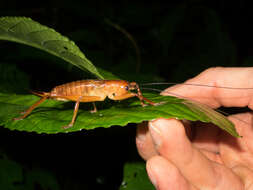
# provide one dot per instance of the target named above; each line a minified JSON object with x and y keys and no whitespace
{"x":50,"y":116}
{"x":26,"y":31}
{"x":135,"y":177}
{"x":15,"y":176}
{"x":215,"y":117}
{"x":10,"y":173}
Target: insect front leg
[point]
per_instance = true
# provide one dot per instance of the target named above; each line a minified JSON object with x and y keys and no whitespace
{"x":130,"y":95}
{"x":140,"y":96}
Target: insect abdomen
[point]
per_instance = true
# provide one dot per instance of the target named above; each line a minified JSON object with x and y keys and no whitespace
{"x":77,"y":88}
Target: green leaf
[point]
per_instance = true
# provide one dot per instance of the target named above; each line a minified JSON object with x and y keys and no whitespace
{"x":10,"y":173}
{"x":45,"y":179}
{"x":135,"y":177}
{"x":14,"y":176}
{"x":26,"y":31}
{"x":51,"y":115}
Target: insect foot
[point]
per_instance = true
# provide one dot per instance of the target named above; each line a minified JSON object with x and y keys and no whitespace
{"x":93,"y":111}
{"x":159,"y":103}
{"x":68,"y":126}
{"x":17,"y":118}
{"x":22,"y":113}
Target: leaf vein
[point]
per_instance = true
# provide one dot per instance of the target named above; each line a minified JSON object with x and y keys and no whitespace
{"x":13,"y":26}
{"x":36,"y":31}
{"x":47,"y":41}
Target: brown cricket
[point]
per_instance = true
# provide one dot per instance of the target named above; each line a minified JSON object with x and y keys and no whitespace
{"x":89,"y":91}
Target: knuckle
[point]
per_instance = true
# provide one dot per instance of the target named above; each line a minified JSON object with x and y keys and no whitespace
{"x":212,"y":70}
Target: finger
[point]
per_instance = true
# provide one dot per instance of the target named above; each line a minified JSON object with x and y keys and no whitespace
{"x":206,"y":140}
{"x":164,"y":175}
{"x":216,"y":97}
{"x":172,"y":143}
{"x":215,"y":157}
{"x":238,"y":151}
{"x":207,"y":137}
{"x":246,"y":176}
{"x":144,"y":143}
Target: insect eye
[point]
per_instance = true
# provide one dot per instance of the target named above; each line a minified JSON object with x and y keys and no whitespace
{"x":127,"y":88}
{"x":113,"y":94}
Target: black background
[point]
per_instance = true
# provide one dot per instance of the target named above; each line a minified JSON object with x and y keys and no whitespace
{"x":176,"y":40}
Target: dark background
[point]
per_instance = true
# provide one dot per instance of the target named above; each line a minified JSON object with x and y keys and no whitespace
{"x":175,"y":41}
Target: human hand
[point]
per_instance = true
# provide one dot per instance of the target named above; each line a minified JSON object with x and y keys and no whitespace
{"x":203,"y":157}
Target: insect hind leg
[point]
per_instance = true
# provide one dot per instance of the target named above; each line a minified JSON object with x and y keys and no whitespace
{"x":94,"y":108}
{"x":27,"y":112}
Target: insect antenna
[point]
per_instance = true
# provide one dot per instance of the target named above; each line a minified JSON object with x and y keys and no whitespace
{"x":170,"y":93}
{"x":194,"y":84}
{"x":186,"y":98}
{"x":152,"y":89}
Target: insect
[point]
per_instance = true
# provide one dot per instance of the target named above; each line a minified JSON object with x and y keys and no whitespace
{"x":89,"y":91}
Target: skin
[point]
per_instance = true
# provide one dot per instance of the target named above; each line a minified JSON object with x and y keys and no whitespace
{"x":181,"y":157}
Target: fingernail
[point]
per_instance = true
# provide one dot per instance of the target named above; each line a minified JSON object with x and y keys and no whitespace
{"x":156,"y":134}
{"x":141,"y":137}
{"x":142,"y":132}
